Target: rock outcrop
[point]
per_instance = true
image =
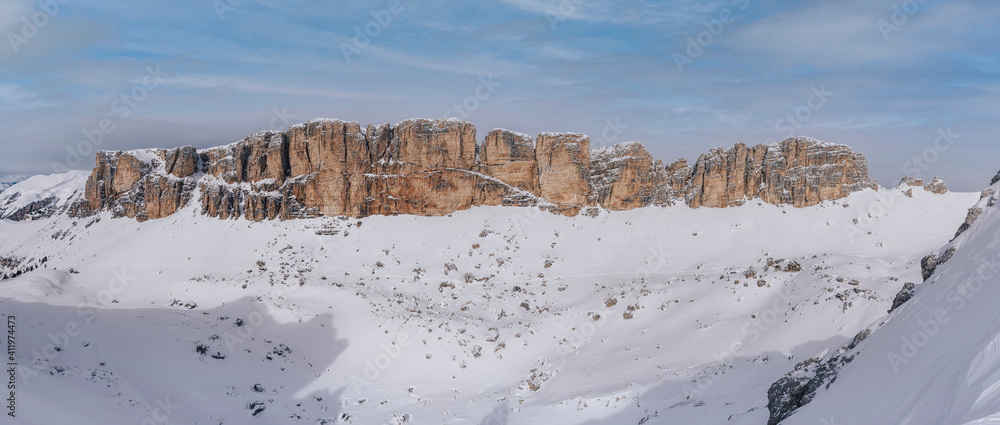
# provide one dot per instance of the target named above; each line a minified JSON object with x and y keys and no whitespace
{"x":903,"y":296}
{"x":510,"y":157}
{"x":435,"y":167}
{"x":564,"y":167}
{"x":626,"y":176}
{"x":798,"y":171}
{"x":936,"y":186}
{"x":798,"y":387}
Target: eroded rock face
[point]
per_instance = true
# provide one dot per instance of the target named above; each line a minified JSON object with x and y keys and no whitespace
{"x":434,"y":167}
{"x":181,"y":162}
{"x":116,"y":184}
{"x":564,"y":167}
{"x":510,"y":157}
{"x":798,"y":171}
{"x":626,"y":176}
{"x":433,"y":145}
{"x":911,"y":181}
{"x":936,"y":186}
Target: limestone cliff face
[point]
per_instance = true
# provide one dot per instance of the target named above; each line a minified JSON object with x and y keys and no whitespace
{"x":626,"y":176}
{"x":564,"y":167}
{"x":798,"y":171}
{"x":510,"y":157}
{"x":140,"y":184}
{"x":435,"y":167}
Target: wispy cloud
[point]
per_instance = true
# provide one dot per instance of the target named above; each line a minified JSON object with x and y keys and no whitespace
{"x":629,"y":12}
{"x":602,"y":60}
{"x":18,"y":98}
{"x":262,"y":87}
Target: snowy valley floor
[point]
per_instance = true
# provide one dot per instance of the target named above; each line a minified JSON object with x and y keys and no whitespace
{"x":487,"y":316}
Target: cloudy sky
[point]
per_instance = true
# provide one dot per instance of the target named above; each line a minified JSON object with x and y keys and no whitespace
{"x":886,"y":77}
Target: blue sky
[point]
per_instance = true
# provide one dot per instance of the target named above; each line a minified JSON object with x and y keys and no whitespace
{"x":886,"y":77}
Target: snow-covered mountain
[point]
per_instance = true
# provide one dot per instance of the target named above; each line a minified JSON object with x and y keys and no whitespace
{"x":42,"y":196}
{"x":9,"y":180}
{"x":504,"y":315}
{"x":936,"y":358}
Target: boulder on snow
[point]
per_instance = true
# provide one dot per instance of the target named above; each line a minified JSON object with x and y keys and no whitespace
{"x":927,"y":265}
{"x":903,"y":296}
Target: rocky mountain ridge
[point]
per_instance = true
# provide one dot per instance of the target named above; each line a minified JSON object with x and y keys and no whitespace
{"x":330,"y":167}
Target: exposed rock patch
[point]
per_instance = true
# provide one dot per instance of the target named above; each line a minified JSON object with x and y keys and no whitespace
{"x":928,"y":265}
{"x":798,"y":387}
{"x":903,"y":296}
{"x":936,"y":186}
{"x":970,"y":219}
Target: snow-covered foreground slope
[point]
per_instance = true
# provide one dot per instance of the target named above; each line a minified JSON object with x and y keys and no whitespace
{"x":488,"y":316}
{"x":937,"y":358}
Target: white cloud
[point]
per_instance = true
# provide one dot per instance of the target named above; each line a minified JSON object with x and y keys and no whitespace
{"x":253,"y":86}
{"x":17,"y":98}
{"x":839,"y":35}
{"x":640,"y":12}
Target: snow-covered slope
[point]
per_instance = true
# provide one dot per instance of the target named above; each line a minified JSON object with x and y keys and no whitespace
{"x":489,"y":316}
{"x":936,"y":360}
{"x":42,"y":195}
